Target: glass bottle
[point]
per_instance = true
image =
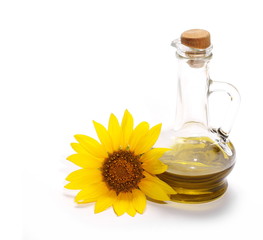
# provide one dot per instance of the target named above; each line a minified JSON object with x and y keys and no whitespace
{"x":201,"y":156}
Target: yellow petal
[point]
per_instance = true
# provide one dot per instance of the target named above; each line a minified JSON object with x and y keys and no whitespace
{"x":78,"y":148}
{"x":167,"y":188}
{"x":82,"y":180}
{"x":103,"y":136}
{"x":138,"y":200}
{"x":121,"y":205}
{"x":153,"y":190}
{"x":85,"y":160}
{"x":127,"y":128}
{"x":153,"y":154}
{"x":151,"y":162}
{"x":91,"y":193}
{"x":137,"y":134}
{"x":79,"y":184}
{"x":77,"y":174}
{"x":154,"y":167}
{"x":115,"y":132}
{"x":105,"y":201}
{"x":91,"y":146}
{"x":148,"y":140}
{"x":131,"y":209}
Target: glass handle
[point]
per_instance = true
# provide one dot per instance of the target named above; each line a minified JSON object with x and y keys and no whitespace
{"x":232,"y":108}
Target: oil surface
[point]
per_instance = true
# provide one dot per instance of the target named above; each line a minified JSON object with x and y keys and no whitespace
{"x":197,"y":168}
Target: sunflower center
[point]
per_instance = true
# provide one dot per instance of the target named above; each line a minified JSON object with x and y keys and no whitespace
{"x":122,"y":171}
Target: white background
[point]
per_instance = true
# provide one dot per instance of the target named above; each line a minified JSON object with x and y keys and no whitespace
{"x":65,"y":63}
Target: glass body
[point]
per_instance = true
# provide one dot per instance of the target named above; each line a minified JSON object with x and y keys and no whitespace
{"x":201,"y":156}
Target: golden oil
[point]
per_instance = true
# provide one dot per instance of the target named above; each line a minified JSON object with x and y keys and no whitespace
{"x":197,"y":168}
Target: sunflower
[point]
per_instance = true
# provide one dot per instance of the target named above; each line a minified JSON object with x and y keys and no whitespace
{"x":120,"y":170}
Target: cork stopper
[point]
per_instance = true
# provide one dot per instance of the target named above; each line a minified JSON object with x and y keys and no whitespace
{"x":196,"y":38}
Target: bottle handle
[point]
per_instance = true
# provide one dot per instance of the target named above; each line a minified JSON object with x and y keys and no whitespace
{"x":232,"y":109}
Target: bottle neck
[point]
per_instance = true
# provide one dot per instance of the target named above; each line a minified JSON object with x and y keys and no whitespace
{"x":192,"y":92}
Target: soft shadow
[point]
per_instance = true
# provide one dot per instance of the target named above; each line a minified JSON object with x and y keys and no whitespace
{"x":69,"y":194}
{"x":211,"y":209}
{"x":84,"y":205}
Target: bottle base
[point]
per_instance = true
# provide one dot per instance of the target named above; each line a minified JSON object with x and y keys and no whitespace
{"x":197,"y":189}
{"x":199,"y":196}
